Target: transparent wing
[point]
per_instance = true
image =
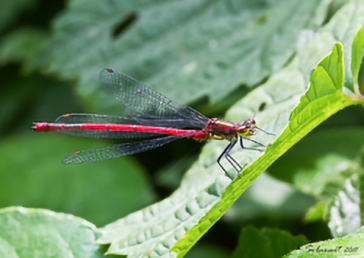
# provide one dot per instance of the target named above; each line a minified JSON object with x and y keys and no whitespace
{"x":118,"y":150}
{"x":142,"y":102}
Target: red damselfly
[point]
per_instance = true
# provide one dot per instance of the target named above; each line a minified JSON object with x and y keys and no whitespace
{"x":152,"y":115}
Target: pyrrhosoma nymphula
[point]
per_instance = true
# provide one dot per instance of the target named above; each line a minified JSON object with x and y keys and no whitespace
{"x":152,"y":115}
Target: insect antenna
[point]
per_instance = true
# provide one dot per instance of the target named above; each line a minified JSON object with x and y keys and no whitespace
{"x":264,"y":131}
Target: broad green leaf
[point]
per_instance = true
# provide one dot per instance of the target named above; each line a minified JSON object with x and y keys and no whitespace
{"x":100,"y":192}
{"x":187,"y":214}
{"x":316,"y":212}
{"x":184,"y":49}
{"x":342,"y":27}
{"x":163,"y":223}
{"x":339,"y":28}
{"x":357,"y":56}
{"x":342,"y":247}
{"x":206,"y":193}
{"x":43,"y":233}
{"x":266,"y":243}
{"x":312,"y":109}
{"x":22,"y":46}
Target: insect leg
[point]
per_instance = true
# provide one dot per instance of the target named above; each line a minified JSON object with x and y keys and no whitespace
{"x":242,"y":146}
{"x":219,"y":159}
{"x":236,"y":163}
{"x":255,"y":142}
{"x":232,"y":160}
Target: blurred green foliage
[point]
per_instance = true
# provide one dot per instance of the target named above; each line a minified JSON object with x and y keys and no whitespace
{"x":206,"y":53}
{"x":97,"y":193}
{"x":266,"y":243}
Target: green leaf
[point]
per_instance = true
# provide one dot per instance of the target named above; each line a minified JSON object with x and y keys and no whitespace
{"x":341,"y":247}
{"x":312,"y":110}
{"x":205,"y":193}
{"x":357,"y":55}
{"x":184,"y":49}
{"x":100,"y":192}
{"x":42,"y":233}
{"x":342,"y":27}
{"x":316,"y":212}
{"x":266,"y":243}
{"x":22,"y":46}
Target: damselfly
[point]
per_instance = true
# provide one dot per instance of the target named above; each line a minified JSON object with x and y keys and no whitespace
{"x":152,"y":115}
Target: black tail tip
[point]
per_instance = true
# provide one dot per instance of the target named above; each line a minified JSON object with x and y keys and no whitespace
{"x":34,"y":127}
